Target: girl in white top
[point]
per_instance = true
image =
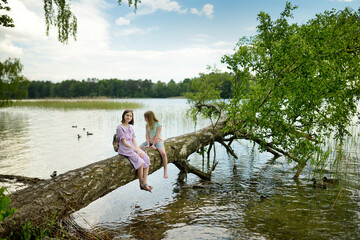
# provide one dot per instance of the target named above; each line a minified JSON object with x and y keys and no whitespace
{"x":153,"y":137}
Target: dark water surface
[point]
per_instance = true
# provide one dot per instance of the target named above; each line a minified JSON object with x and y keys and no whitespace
{"x":253,"y":197}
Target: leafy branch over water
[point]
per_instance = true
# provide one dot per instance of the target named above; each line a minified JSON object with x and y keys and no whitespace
{"x":77,"y":104}
{"x":294,"y":85}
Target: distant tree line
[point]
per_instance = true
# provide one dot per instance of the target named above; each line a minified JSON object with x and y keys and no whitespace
{"x":115,"y":88}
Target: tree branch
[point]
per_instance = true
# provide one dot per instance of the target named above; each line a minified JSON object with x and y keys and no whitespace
{"x":217,"y":108}
{"x":184,"y":165}
{"x":228,"y":148}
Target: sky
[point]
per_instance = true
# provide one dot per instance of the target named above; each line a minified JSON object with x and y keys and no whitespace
{"x":162,"y":40}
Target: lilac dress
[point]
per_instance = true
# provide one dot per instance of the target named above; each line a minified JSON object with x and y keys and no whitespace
{"x":129,"y":134}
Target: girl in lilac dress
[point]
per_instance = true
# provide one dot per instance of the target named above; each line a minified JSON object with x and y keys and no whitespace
{"x":129,"y":148}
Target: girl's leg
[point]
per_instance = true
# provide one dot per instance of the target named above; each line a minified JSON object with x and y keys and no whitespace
{"x":164,"y":159}
{"x":141,"y":174}
{"x":143,"y":145}
{"x":146,"y":172}
{"x":144,"y":185}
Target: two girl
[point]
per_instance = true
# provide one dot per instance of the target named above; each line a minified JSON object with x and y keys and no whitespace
{"x":129,"y":148}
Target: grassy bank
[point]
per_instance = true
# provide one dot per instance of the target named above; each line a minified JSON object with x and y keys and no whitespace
{"x":77,"y":104}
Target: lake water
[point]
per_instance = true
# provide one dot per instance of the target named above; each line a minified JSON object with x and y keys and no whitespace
{"x":255,"y":198}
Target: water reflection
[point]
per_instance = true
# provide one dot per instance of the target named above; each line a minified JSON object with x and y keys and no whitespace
{"x":255,"y":198}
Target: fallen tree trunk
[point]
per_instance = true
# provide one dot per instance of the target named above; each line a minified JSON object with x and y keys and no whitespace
{"x":74,"y":190}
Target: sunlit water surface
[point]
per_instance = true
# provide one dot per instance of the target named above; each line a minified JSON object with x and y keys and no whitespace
{"x":255,"y":196}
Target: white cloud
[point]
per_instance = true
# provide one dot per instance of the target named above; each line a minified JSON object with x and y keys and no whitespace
{"x":40,"y":54}
{"x":134,"y":31}
{"x":29,"y":28}
{"x":201,"y":38}
{"x":7,"y":49}
{"x":155,"y":65}
{"x":207,"y":10}
{"x":194,"y":11}
{"x":122,"y":21}
{"x":27,"y":23}
{"x":224,"y":44}
{"x":150,"y":6}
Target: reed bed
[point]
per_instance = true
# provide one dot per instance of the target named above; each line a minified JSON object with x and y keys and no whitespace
{"x":77,"y":104}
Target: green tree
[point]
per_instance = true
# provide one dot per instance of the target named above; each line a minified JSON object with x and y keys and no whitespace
{"x":13,"y":85}
{"x":173,"y":89}
{"x":226,"y":89}
{"x":185,"y":86}
{"x":206,"y":88}
{"x":160,"y":90}
{"x":101,"y":89}
{"x":5,"y":20}
{"x":295,"y":85}
{"x":147,"y":88}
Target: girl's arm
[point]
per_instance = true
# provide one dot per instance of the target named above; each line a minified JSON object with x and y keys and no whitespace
{"x":147,"y":138}
{"x":126,"y":144}
{"x":136,"y":148}
{"x":156,"y":137}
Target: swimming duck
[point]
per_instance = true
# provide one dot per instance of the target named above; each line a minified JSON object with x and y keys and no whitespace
{"x":330,"y":180}
{"x":79,"y":136}
{"x":89,"y":133}
{"x":318,"y":185}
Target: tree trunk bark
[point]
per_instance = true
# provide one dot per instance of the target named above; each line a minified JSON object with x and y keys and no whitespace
{"x":74,"y":190}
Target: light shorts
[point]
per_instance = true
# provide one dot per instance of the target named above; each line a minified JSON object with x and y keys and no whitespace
{"x":157,"y":145}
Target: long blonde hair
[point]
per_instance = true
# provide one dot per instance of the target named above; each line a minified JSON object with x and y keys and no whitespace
{"x":151,"y":119}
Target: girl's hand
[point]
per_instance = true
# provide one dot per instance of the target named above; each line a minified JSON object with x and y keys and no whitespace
{"x":147,"y":146}
{"x":140,"y":153}
{"x":153,"y":146}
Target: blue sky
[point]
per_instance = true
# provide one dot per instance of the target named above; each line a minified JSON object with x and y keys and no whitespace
{"x":163,"y":40}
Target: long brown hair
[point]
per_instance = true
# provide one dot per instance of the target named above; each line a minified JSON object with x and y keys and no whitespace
{"x":123,"y":116}
{"x":151,"y":119}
